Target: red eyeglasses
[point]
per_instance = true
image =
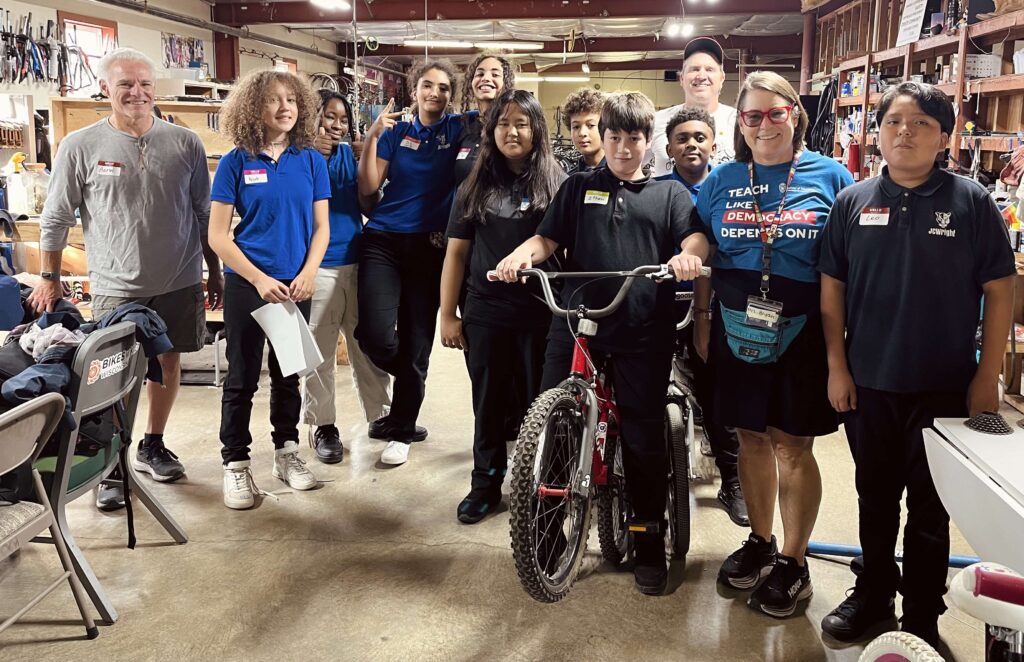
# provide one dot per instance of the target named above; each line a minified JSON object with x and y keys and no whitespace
{"x":776,"y":115}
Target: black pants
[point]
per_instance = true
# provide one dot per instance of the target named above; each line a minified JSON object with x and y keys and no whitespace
{"x":505,"y":367}
{"x":399,"y":294}
{"x":725,"y":443}
{"x":245,"y":341}
{"x":640,"y":382}
{"x":885,"y":433}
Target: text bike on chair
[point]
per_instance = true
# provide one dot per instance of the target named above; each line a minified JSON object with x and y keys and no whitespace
{"x":568,"y":455}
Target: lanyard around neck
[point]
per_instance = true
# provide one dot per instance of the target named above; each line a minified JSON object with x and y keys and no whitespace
{"x":768,"y":233}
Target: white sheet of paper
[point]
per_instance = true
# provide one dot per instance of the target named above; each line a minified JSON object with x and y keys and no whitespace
{"x":289,"y":335}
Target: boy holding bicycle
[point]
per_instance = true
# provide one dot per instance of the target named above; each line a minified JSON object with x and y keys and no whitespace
{"x":611,"y":219}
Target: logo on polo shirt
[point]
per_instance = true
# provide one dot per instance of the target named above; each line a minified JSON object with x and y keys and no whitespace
{"x":942,"y":219}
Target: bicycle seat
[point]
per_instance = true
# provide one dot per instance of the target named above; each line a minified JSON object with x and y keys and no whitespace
{"x":990,"y":592}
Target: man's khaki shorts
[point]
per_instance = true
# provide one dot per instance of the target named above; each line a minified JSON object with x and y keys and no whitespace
{"x":183,"y":311}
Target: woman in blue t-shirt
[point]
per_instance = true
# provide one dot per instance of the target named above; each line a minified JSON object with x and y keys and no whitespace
{"x":403,"y":245}
{"x":279,"y":187}
{"x":335,"y":309}
{"x":764,"y":336}
{"x":503,"y":328}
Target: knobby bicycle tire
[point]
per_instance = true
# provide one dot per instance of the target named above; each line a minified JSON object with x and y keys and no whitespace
{"x":613,"y":513}
{"x":679,"y":480}
{"x":527,"y":473}
{"x":893,"y":646}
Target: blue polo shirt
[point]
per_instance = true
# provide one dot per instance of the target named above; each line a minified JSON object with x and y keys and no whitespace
{"x":346,"y":217}
{"x":725,"y":209}
{"x":694,"y":189}
{"x":421,"y":175}
{"x":275,"y":201}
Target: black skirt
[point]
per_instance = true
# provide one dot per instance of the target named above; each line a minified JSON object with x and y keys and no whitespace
{"x":790,"y":395}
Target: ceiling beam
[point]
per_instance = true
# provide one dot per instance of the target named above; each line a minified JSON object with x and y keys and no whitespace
{"x":731,"y":66}
{"x":754,"y":45}
{"x":253,"y":13}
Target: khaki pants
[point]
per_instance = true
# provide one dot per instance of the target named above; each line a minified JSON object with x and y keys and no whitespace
{"x":335,"y":311}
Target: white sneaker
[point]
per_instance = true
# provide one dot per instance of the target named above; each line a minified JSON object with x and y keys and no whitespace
{"x":396,"y":452}
{"x":239,"y":488}
{"x":290,"y":468}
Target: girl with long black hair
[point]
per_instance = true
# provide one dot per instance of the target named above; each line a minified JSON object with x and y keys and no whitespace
{"x":502,"y":328}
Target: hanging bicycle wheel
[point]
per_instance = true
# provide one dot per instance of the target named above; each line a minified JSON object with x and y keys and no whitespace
{"x":678,"y":501}
{"x":613,"y":512}
{"x":548,"y":521}
{"x":899,"y":647}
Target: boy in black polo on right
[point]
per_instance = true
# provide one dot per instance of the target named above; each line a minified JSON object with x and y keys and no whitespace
{"x":906,"y":258}
{"x":616,"y":219}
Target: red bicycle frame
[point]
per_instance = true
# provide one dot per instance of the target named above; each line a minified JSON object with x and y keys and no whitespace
{"x":608,"y":411}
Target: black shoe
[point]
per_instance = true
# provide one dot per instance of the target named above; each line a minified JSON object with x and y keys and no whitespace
{"x":110,"y":497}
{"x":326,"y":442}
{"x":856,"y":615}
{"x":731,"y":496}
{"x":153,"y":457}
{"x":382,"y":429}
{"x":787,"y":584}
{"x":476,"y":506}
{"x":748,"y":564}
{"x":924,"y":626}
{"x":650,"y":572}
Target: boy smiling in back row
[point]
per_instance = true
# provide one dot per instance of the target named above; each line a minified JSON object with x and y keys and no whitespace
{"x":613,"y":219}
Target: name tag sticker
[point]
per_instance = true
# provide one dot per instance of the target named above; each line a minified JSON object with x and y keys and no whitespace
{"x":875,"y":216}
{"x":109,"y":168}
{"x":464,"y":153}
{"x":595,"y":198}
{"x":410,"y":143}
{"x":255,"y":176}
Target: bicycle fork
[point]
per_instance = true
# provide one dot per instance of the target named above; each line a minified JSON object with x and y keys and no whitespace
{"x":583,"y":479}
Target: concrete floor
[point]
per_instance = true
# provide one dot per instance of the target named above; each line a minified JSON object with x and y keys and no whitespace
{"x":374,"y":565}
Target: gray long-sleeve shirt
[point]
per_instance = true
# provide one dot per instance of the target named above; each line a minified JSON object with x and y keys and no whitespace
{"x":144,"y":204}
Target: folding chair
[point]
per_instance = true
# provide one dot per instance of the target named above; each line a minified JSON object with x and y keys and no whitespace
{"x":107,"y":374}
{"x":23,"y":432}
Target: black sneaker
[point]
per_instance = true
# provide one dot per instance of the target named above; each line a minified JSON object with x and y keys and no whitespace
{"x":154,"y":458}
{"x":476,"y":506}
{"x":748,"y":564}
{"x":326,"y":442}
{"x":382,"y":429}
{"x":731,"y":496}
{"x":787,"y":584}
{"x":650,"y":573}
{"x":856,"y":615}
{"x":924,"y":626}
{"x":109,"y":497}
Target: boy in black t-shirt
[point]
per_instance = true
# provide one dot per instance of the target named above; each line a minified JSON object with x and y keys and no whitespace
{"x":611,"y":219}
{"x":905,"y":260}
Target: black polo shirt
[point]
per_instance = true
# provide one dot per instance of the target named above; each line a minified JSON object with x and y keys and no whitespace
{"x":606,"y":224}
{"x":914,"y":262}
{"x":581,"y":166}
{"x":468,"y":147}
{"x":506,"y":226}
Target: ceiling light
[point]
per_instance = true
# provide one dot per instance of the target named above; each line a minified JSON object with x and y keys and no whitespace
{"x":687,"y":29}
{"x":528,"y":78}
{"x":338,"y":5}
{"x":585,"y":67}
{"x":437,"y":43}
{"x":673,"y":29}
{"x":510,"y":45}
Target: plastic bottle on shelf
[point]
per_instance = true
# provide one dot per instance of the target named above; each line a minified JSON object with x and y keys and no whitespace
{"x":17,"y":195}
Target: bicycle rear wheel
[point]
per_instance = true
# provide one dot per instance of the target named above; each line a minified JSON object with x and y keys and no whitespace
{"x":548,"y":522}
{"x":678,"y":501}
{"x":613,"y":512}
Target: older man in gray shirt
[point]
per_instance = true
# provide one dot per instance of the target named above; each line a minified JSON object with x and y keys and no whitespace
{"x":142,"y":189}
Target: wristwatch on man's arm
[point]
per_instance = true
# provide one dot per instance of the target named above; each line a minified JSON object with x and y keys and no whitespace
{"x":702,"y":313}
{"x":50,"y":275}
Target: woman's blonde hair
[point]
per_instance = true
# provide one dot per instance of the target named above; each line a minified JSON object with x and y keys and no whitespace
{"x":769,"y":81}
{"x":242,"y":114}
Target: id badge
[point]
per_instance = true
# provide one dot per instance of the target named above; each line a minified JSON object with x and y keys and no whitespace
{"x":764,"y":313}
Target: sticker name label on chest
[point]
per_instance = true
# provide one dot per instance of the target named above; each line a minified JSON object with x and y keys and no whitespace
{"x":255,"y":176}
{"x":109,"y":168}
{"x":410,"y":143}
{"x":596,"y":198}
{"x":875,"y":216}
{"x":464,"y":153}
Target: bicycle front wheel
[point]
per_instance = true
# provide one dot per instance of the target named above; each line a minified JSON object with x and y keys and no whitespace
{"x":899,"y":647}
{"x":678,"y":501}
{"x":548,"y":521}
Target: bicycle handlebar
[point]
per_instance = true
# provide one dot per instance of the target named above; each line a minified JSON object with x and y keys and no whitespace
{"x":656,"y":272}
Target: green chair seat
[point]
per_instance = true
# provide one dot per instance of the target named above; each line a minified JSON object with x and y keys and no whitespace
{"x":83,"y":467}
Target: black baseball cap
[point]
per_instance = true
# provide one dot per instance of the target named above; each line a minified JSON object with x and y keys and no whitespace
{"x":704,"y":45}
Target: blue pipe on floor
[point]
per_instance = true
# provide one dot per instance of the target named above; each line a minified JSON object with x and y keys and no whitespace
{"x":833,"y":549}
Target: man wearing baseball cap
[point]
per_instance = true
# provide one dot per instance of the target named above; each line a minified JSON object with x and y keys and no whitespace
{"x":701,"y":78}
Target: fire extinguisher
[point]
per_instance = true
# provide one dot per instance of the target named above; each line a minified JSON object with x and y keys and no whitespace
{"x":853,"y":160}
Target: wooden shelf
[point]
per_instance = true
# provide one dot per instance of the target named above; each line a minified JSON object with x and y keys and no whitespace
{"x":949,"y":89}
{"x":889,"y":56}
{"x":1003,"y":28}
{"x":997,"y":84}
{"x":942,"y":44}
{"x":855,"y":63}
{"x":844,"y":102}
{"x":874,"y":98}
{"x":990,"y":143}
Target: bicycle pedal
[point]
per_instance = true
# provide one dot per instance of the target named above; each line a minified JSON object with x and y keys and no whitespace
{"x":634,"y":526}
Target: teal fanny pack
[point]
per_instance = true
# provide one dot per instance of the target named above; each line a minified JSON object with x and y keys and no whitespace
{"x":757,"y":344}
